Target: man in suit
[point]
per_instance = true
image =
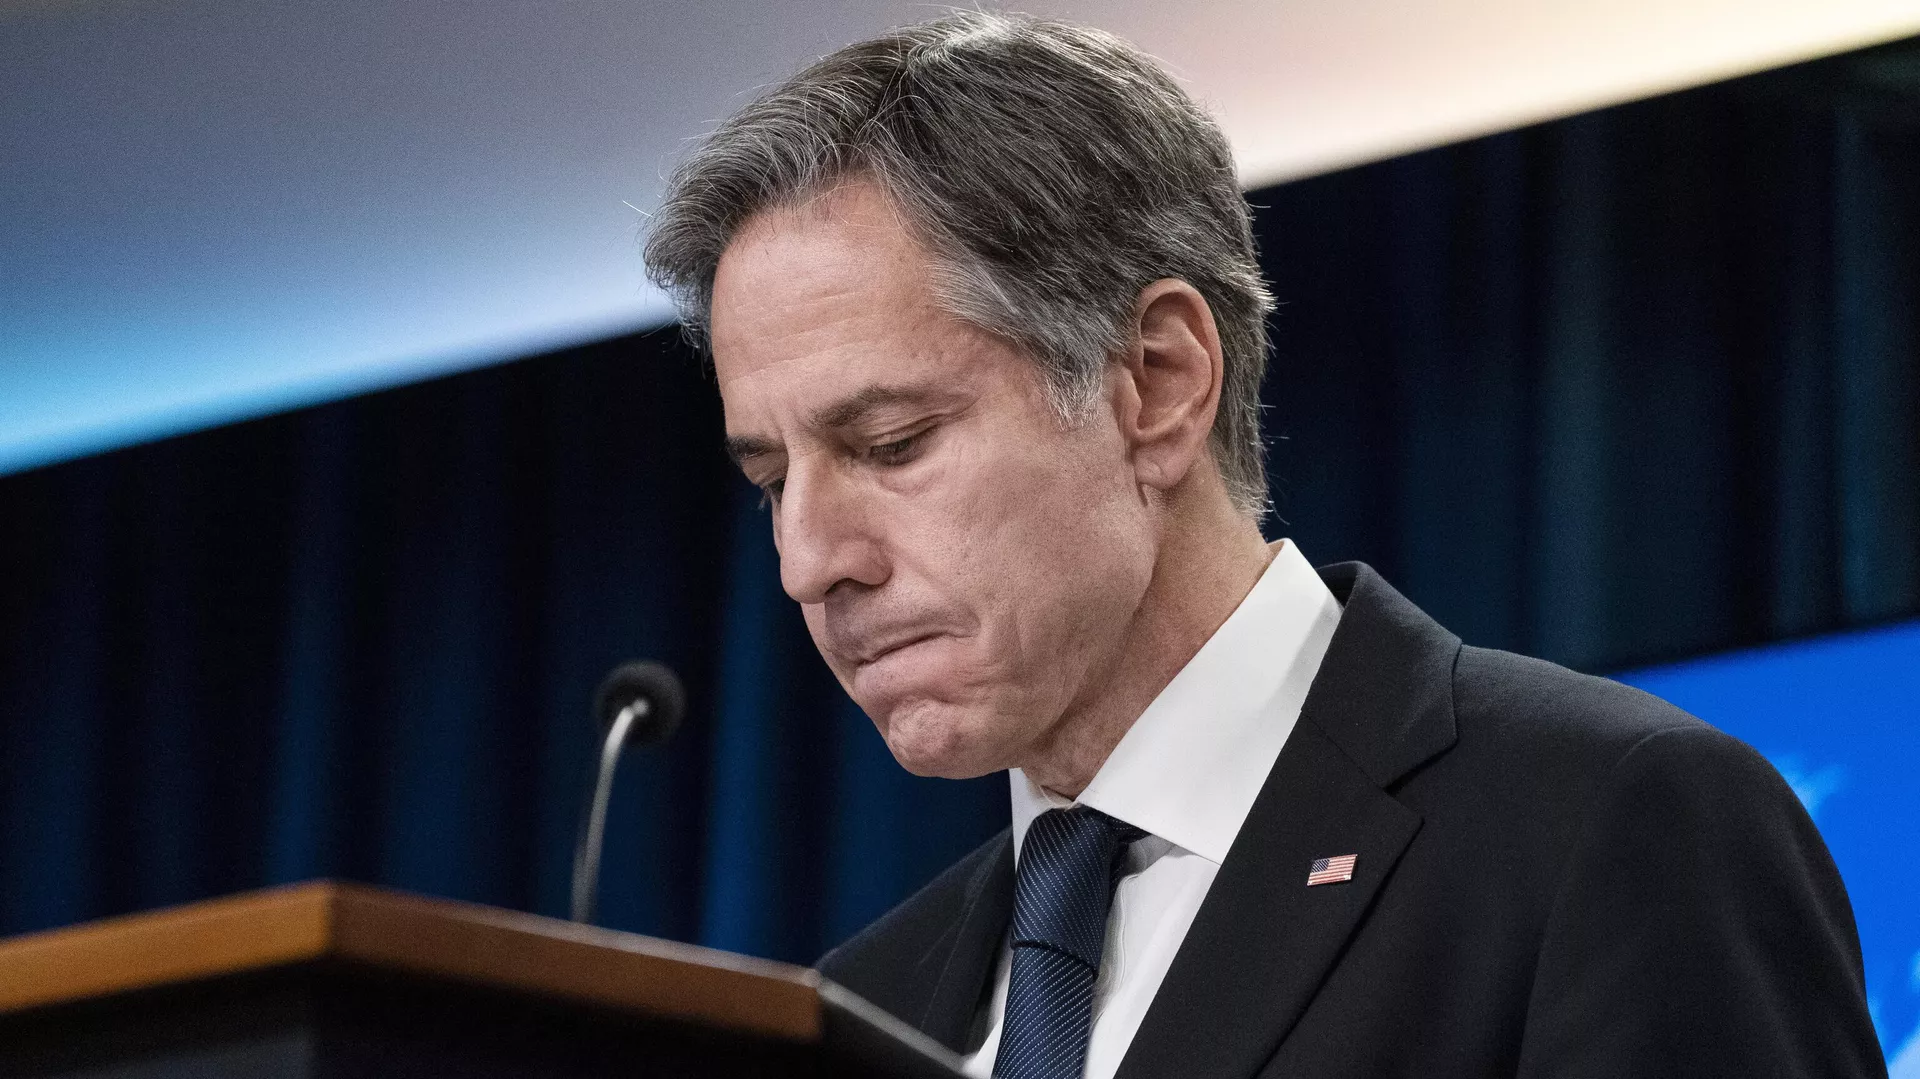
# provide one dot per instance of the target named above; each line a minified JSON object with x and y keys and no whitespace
{"x":989,"y":333}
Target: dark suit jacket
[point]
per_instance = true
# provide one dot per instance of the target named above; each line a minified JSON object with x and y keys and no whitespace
{"x":1558,"y":876}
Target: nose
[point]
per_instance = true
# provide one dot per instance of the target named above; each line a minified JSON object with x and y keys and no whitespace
{"x":825,"y":534}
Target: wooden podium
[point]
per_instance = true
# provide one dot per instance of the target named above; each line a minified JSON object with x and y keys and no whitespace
{"x":338,"y":980}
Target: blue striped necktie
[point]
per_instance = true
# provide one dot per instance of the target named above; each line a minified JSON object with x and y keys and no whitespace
{"x":1062,"y":888}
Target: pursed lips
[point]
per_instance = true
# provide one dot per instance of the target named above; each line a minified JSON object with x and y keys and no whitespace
{"x":873,"y":653}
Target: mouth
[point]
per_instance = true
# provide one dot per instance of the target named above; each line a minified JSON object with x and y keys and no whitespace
{"x":871,"y":656}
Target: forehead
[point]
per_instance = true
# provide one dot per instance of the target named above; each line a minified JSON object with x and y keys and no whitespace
{"x":829,"y":290}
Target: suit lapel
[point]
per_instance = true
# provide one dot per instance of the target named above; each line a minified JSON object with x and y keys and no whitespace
{"x":960,"y":965}
{"x":1264,"y":942}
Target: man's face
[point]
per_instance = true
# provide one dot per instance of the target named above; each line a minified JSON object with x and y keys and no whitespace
{"x":968,"y":566}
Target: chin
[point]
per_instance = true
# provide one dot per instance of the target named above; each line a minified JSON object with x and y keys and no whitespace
{"x":934,"y":738}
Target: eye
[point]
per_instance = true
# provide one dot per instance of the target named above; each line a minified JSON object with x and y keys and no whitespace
{"x":897,"y":452}
{"x":770,"y":492}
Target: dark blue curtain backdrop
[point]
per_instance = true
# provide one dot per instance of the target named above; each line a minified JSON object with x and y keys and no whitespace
{"x":1620,"y":388}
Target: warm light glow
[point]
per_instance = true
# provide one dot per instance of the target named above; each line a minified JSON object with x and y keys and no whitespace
{"x":1307,"y":86}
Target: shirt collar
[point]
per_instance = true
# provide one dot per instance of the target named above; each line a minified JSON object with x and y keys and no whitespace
{"x":1190,"y":767}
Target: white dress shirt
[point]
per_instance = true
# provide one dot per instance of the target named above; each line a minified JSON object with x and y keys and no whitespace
{"x":1186,"y":773}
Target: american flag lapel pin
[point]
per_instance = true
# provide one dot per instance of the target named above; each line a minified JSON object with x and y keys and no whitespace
{"x":1335,"y":870}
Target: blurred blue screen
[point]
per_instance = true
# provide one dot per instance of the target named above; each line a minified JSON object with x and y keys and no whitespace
{"x":1840,"y":717}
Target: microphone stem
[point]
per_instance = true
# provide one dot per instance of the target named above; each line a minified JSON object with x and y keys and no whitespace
{"x":586,"y":859}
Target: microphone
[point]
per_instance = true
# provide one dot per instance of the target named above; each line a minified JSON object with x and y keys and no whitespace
{"x":639,"y":701}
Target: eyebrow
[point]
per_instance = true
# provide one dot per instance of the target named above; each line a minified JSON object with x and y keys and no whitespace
{"x":857,"y":405}
{"x":845,"y":412}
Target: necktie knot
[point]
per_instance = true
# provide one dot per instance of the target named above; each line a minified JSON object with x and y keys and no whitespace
{"x":1061,"y":891}
{"x":1063,"y":887}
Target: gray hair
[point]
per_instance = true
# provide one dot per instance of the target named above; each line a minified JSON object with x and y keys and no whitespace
{"x":1050,"y":171}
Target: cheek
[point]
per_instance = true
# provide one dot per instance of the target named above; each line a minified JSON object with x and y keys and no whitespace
{"x":1036,"y":546}
{"x":1057,"y":547}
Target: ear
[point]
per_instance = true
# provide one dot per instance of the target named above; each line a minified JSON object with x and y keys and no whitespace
{"x":1169,"y":383}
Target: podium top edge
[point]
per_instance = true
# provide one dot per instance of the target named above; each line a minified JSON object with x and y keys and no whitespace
{"x":460,"y":942}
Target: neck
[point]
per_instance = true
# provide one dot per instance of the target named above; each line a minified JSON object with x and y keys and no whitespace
{"x":1206,"y":565}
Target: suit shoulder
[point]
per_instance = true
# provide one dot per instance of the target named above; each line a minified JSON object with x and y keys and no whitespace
{"x":1552,"y":739}
{"x":1696,"y":860}
{"x":1535,"y":735}
{"x":1510,"y":697}
{"x":912,"y":928}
